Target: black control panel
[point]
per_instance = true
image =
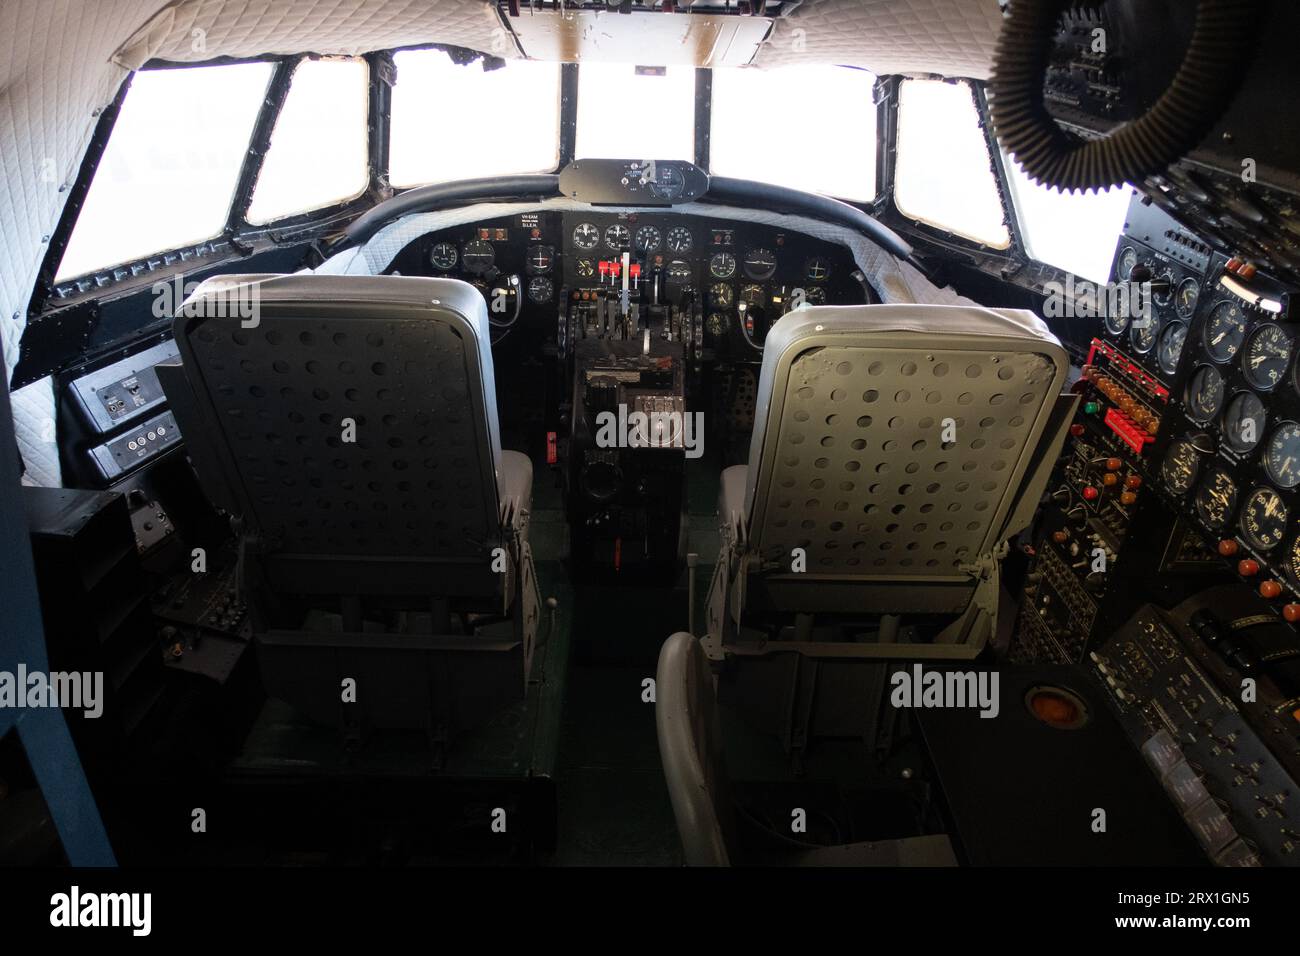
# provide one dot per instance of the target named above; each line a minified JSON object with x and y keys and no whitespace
{"x":728,"y":281}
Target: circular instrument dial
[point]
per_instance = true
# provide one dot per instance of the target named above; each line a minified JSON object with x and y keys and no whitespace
{"x":722,"y":295}
{"x":1282,"y":455}
{"x":1128,"y":258}
{"x":1225,"y":331}
{"x":1267,"y":352}
{"x":722,"y":265}
{"x":1181,"y":465}
{"x":478,"y":256}
{"x":540,"y":259}
{"x":586,"y":235}
{"x":717,"y":324}
{"x":1189,"y":291}
{"x":648,"y":239}
{"x":816,"y":295}
{"x":753,"y":296}
{"x":1171,"y":346}
{"x":1143,"y":335}
{"x":679,"y":239}
{"x":817,"y":269}
{"x":585,"y":268}
{"x":1243,"y":422}
{"x":760,"y":264}
{"x":1263,"y":519}
{"x":1216,"y":499}
{"x":1165,"y":294}
{"x":1294,"y":560}
{"x":617,"y":236}
{"x":540,"y":289}
{"x":444,"y":256}
{"x":1204,"y":393}
{"x":1116,"y":321}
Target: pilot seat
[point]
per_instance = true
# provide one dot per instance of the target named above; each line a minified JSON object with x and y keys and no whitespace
{"x":348,"y":425}
{"x":896,"y":449}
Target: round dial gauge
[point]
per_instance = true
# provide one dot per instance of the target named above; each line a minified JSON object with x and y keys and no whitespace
{"x":617,"y":236}
{"x":1143,"y":335}
{"x":1128,"y":258}
{"x":540,"y":289}
{"x":721,"y":294}
{"x":586,"y":235}
{"x":717,"y":324}
{"x":760,"y":264}
{"x":1204,"y":393}
{"x":478,"y":256}
{"x":817,"y":269}
{"x":1171,"y":346}
{"x":540,"y":259}
{"x":1216,"y":499}
{"x":1116,"y":322}
{"x":444,"y":256}
{"x":585,"y":268}
{"x":1243,"y":422}
{"x":1282,"y":455}
{"x":1263,"y":519}
{"x":1225,"y":331}
{"x":648,"y":239}
{"x":679,"y":272}
{"x":1181,"y":465}
{"x":722,"y":265}
{"x":1189,"y":291}
{"x":668,"y":183}
{"x":1294,"y":561}
{"x":753,"y":296}
{"x":815,"y":295}
{"x":1267,"y":351}
{"x":1164,"y":295}
{"x":679,"y":239}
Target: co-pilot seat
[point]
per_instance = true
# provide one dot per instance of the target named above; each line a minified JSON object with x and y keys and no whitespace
{"x":896,"y":449}
{"x":348,"y":425}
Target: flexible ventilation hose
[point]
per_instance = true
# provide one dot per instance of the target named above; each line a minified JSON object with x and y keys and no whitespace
{"x":1199,"y":94}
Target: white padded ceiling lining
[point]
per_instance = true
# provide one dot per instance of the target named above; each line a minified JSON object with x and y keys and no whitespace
{"x":950,"y":37}
{"x":187,"y":31}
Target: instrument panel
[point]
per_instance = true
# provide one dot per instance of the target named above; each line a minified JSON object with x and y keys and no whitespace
{"x":1233,"y":456}
{"x":738,"y":277}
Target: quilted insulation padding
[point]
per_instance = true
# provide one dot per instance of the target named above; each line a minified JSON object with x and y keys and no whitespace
{"x":191,"y":30}
{"x":951,"y":37}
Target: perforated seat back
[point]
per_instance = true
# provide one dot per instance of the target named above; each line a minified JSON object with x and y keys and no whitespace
{"x":849,"y":459}
{"x":405,"y":360}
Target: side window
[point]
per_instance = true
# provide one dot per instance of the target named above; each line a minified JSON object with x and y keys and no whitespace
{"x":944,"y":173}
{"x":317,"y":155}
{"x":169,"y":171}
{"x":1076,"y":232}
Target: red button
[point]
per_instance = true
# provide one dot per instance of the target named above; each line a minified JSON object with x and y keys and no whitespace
{"x":1090,"y":493}
{"x":1227,"y":547}
{"x":1291,"y":612}
{"x":1247,"y":567}
{"x":1270,"y":589}
{"x":1076,"y":430}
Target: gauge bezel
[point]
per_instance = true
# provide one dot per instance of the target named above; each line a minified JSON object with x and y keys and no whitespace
{"x":717,"y":301}
{"x":465,"y":254}
{"x":1267,"y":456}
{"x":1195,"y":470}
{"x":679,"y":231}
{"x":600,"y":234}
{"x":722,"y":256}
{"x":1170,"y":328}
{"x":1239,"y":395}
{"x":1205,"y":333}
{"x":761,"y":275}
{"x":1231,"y":510}
{"x":550,"y":289}
{"x":639,"y":246}
{"x":617,"y":246}
{"x":1252,"y":540}
{"x":1133,"y":335}
{"x":1120,"y":271}
{"x":1246,"y":344}
{"x":1178,"y":308}
{"x":1193,"y":412}
{"x":455,"y":256}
